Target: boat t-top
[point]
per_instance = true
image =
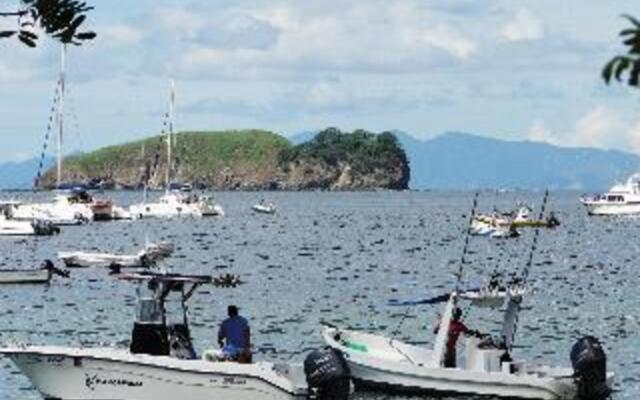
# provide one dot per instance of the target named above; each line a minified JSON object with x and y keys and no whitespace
{"x":177,"y":202}
{"x":161,"y":362}
{"x":620,"y":199}
{"x":488,"y":368}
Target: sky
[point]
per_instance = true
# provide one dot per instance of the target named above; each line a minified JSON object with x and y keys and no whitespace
{"x":508,"y":69}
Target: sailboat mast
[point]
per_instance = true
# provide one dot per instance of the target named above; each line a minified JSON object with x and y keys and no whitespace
{"x":170,"y":132}
{"x":61,"y":116}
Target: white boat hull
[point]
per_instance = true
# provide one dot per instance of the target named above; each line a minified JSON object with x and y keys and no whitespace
{"x":389,"y":364}
{"x":16,"y":228}
{"x":105,"y":374}
{"x":612,"y":209}
{"x":262,"y":209}
{"x":24,"y":276}
{"x":80,"y":259}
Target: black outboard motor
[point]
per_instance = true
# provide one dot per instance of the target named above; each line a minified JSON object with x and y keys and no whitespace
{"x":327,"y":375}
{"x":590,"y":369}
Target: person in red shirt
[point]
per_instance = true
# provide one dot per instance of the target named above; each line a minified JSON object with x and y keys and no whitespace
{"x":456,"y":328}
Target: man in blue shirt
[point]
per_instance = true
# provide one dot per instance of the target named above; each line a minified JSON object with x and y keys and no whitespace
{"x":234,"y":337}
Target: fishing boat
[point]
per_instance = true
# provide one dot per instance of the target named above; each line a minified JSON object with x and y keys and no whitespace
{"x":176,"y":201}
{"x":145,"y":258}
{"x":621,"y":199}
{"x":264,"y":208}
{"x":161,"y":362}
{"x":488,"y":368}
{"x":31,"y":276}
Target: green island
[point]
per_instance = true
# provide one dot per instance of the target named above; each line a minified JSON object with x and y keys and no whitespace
{"x":247,"y":160}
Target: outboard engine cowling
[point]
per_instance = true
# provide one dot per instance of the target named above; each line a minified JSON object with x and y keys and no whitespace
{"x":589,"y":363}
{"x":327,"y":375}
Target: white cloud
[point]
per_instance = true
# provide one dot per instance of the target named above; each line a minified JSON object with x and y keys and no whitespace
{"x":524,"y":26}
{"x":601,"y":127}
{"x":633,"y":135}
{"x":538,"y":132}
{"x":450,"y":40}
{"x":121,"y":34}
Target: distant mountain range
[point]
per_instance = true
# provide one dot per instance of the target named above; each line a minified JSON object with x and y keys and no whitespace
{"x":20,"y":175}
{"x":464,"y":161}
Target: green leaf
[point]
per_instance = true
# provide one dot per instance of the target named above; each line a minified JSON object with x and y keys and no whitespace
{"x":86,"y":35}
{"x":29,"y":34}
{"x":607,"y":71}
{"x":629,"y":31}
{"x":632,"y":20}
{"x":622,"y":65}
{"x":26,"y":40}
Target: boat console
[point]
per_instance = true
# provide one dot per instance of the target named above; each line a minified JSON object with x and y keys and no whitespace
{"x":153,"y":332}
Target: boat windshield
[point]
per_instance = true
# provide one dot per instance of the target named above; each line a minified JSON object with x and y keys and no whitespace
{"x":149,"y":311}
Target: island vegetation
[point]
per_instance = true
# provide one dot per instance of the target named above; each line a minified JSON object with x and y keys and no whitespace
{"x":247,"y":160}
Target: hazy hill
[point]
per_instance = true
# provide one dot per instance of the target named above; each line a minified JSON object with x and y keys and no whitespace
{"x":464,"y":161}
{"x":20,"y":175}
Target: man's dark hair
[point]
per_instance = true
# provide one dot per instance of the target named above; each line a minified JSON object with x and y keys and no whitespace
{"x":457,"y":314}
{"x":232,"y":311}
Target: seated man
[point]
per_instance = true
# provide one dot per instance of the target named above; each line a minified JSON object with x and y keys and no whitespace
{"x":456,"y":328}
{"x":234,"y":337}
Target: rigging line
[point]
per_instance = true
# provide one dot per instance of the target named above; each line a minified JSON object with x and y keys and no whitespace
{"x":50,"y":124}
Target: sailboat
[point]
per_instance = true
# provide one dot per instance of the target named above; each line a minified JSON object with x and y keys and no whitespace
{"x":175,"y":203}
{"x":73,"y":206}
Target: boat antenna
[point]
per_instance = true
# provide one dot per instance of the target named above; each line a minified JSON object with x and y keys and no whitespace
{"x":172,"y":99}
{"x":528,"y":265}
{"x":61,"y":116}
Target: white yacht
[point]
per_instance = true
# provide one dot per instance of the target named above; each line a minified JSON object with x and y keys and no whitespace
{"x":620,"y":199}
{"x":161,"y":362}
{"x":178,"y":202}
{"x":488,"y":366}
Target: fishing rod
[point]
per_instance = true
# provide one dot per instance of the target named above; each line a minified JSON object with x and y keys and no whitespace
{"x":463,"y":260}
{"x":527,"y":267}
{"x":465,"y":248}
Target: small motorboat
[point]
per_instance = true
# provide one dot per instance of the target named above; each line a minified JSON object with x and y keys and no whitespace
{"x":264,"y":208}
{"x":147,"y":257}
{"x":11,"y":227}
{"x":488,"y":366}
{"x":31,"y":276}
{"x":493,"y":226}
{"x":177,"y":204}
{"x":161,"y":362}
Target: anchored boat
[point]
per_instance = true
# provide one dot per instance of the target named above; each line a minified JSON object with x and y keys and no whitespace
{"x":161,"y":362}
{"x":619,"y":200}
{"x":31,"y":276}
{"x":175,"y":203}
{"x":264,"y":208}
{"x":488,"y":368}
{"x":147,"y":257}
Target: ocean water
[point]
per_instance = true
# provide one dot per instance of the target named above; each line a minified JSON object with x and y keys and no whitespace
{"x":339,"y":257}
